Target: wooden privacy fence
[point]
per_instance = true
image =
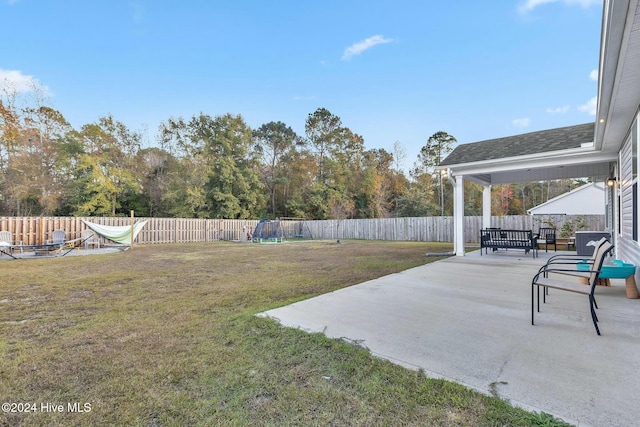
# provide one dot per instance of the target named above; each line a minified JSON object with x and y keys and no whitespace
{"x":438,"y":229}
{"x":423,"y":229}
{"x":37,"y":230}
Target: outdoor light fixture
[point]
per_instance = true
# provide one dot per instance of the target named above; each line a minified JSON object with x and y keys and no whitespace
{"x":611,"y":182}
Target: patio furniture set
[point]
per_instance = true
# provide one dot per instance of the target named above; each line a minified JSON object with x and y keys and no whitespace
{"x":497,"y":238}
{"x":583,"y":273}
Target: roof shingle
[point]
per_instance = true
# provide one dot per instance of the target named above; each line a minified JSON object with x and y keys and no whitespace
{"x":521,"y":145}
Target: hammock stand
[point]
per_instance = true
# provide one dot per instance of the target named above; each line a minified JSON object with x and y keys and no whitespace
{"x":119,"y":234}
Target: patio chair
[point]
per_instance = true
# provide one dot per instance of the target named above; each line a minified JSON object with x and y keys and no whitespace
{"x":548,"y":237}
{"x":5,"y":238}
{"x":542,"y":279}
{"x":568,"y":260}
{"x":7,"y":242}
{"x":89,"y":238}
{"x":58,"y":237}
{"x":569,"y":264}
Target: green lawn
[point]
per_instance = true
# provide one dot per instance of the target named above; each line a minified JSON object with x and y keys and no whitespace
{"x":165,"y":335}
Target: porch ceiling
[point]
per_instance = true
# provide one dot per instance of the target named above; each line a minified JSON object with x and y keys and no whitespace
{"x":562,"y":165}
{"x":595,"y":171}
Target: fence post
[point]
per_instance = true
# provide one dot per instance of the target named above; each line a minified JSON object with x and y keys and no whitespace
{"x":132,"y":228}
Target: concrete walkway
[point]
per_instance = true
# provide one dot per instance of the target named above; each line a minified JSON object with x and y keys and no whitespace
{"x":468,"y":319}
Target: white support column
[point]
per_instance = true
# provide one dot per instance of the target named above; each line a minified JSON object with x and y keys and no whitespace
{"x":458,"y":215}
{"x":486,"y":206}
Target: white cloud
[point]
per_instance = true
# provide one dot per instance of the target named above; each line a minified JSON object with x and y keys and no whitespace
{"x":14,"y":80}
{"x":139,"y":19}
{"x":358,"y":48}
{"x":529,"y":5}
{"x":521,"y":123}
{"x":558,"y":110}
{"x":12,"y":2}
{"x":593,"y":75}
{"x":590,"y":107}
{"x":138,"y":13}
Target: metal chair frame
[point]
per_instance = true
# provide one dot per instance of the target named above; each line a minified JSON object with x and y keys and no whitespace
{"x":541,"y":279}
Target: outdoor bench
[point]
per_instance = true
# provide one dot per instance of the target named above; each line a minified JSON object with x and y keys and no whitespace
{"x":508,"y":239}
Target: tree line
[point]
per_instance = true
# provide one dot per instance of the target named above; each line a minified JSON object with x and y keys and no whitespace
{"x":219,"y":167}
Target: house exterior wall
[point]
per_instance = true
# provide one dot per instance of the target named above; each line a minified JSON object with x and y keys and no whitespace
{"x":628,"y":249}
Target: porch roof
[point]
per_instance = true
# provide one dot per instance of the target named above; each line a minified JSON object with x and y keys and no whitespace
{"x":544,"y":141}
{"x":587,"y":150}
{"x":566,"y":152}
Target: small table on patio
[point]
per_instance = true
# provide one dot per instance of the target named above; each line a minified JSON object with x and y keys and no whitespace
{"x":618,"y":270}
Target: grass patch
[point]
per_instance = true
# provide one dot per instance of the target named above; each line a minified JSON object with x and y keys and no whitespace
{"x":166,"y":336}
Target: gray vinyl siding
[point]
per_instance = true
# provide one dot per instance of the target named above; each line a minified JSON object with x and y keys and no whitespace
{"x":626,"y":190}
{"x":627,"y":249}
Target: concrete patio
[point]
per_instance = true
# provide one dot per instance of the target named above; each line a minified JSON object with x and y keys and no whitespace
{"x":30,"y":254}
{"x":468,"y":319}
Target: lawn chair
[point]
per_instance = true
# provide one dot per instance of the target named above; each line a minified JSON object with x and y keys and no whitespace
{"x":56,"y":243}
{"x":5,"y":238}
{"x":58,"y":237}
{"x":548,"y":237}
{"x":7,"y":242}
{"x":542,"y":279}
{"x":89,"y":238}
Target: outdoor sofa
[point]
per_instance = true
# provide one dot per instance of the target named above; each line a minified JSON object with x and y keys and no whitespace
{"x":495,"y":239}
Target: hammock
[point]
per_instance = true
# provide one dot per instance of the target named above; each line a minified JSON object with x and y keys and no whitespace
{"x":120,"y":234}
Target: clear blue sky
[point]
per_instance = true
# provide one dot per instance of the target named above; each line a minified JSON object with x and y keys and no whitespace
{"x":392,"y":70}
